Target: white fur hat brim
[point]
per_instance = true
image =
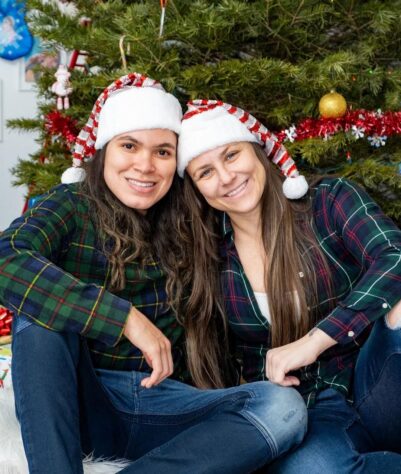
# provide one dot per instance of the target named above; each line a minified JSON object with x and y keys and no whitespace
{"x":206,"y":131}
{"x":137,"y":108}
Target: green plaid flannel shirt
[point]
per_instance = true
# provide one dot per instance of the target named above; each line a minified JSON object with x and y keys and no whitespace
{"x":363,"y":250}
{"x":52,"y":271}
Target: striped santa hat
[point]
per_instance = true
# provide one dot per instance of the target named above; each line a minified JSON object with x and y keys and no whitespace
{"x":132,"y":102}
{"x":208,"y":124}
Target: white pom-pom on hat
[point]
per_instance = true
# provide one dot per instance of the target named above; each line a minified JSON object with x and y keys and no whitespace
{"x":295,"y":188}
{"x":132,"y":102}
{"x":208,"y":124}
{"x":73,"y":175}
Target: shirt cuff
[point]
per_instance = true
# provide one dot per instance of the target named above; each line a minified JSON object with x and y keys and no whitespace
{"x":108,"y":319}
{"x":344,"y":324}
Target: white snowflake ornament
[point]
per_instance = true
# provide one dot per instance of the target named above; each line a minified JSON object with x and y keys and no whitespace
{"x":291,"y":133}
{"x":358,"y":132}
{"x":377,"y":140}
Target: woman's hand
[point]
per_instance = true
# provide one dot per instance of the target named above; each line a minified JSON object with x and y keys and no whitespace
{"x":394,"y":316}
{"x":154,"y":345}
{"x":304,"y":351}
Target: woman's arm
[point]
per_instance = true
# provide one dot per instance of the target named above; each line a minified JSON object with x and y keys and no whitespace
{"x":375,"y":242}
{"x":34,"y":285}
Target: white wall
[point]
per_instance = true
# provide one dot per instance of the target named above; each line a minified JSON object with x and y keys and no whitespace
{"x":14,"y":103}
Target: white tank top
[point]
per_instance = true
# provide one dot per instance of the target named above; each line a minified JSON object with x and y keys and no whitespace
{"x":263,"y":303}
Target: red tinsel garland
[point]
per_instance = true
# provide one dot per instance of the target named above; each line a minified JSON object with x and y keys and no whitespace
{"x":366,"y":123}
{"x":58,"y":124}
{"x":6,"y":317}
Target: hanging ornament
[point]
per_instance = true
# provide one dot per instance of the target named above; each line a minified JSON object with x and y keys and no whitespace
{"x":15,"y":39}
{"x":357,"y":132}
{"x":84,"y":21}
{"x":163,"y":4}
{"x":349,"y":159}
{"x":62,"y":87}
{"x":291,"y":133}
{"x":332,"y":105}
{"x":377,"y":140}
{"x":78,"y":60}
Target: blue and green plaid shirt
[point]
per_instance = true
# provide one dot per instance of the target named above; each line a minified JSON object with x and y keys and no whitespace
{"x":363,"y":251}
{"x":52,"y":271}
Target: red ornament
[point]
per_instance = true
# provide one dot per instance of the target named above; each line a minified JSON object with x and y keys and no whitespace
{"x":61,"y":125}
{"x":373,"y":122}
{"x":6,"y":317}
{"x":78,"y":60}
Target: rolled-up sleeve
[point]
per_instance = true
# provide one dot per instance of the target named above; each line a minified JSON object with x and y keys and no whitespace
{"x":374,"y":241}
{"x":34,"y":285}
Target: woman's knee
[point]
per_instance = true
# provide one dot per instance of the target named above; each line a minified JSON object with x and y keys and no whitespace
{"x":41,"y":347}
{"x":279,"y":412}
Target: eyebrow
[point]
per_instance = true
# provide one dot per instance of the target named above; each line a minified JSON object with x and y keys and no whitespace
{"x":134,"y":140}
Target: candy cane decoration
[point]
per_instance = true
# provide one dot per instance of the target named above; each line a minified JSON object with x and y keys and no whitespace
{"x":163,"y":4}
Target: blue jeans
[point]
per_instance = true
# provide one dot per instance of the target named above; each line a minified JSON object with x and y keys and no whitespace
{"x":66,"y":410}
{"x":364,"y":437}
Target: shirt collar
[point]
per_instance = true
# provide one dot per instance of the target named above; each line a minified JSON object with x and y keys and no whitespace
{"x":227,"y":231}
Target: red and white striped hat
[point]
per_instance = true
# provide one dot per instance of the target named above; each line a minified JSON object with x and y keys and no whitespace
{"x":132,"y":102}
{"x":208,"y":124}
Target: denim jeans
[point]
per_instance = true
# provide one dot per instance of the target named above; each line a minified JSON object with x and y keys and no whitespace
{"x":364,"y":437}
{"x":66,"y":409}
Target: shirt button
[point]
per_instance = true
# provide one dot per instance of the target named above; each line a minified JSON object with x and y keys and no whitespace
{"x":351,"y":334}
{"x":384,"y":305}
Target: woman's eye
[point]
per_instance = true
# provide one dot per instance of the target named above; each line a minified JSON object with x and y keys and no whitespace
{"x":205,"y":173}
{"x":164,"y":153}
{"x":128,"y":146}
{"x":230,"y":155}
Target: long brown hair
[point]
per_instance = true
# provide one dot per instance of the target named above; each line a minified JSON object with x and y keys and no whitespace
{"x":163,"y":234}
{"x":292,"y":251}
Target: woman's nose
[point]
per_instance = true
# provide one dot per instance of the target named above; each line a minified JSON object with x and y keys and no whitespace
{"x":143,"y":162}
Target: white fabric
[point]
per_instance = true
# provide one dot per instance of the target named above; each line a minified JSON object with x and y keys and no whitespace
{"x":12,"y":456}
{"x":137,"y":108}
{"x":295,"y":187}
{"x":206,"y":131}
{"x":263,"y":303}
{"x":73,"y":175}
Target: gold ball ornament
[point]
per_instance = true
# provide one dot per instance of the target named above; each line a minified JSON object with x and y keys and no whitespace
{"x":332,"y":105}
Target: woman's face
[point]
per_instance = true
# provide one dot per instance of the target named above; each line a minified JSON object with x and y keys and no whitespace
{"x":139,"y":166}
{"x":231,"y":178}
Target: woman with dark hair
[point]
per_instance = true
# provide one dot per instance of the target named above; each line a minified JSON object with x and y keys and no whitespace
{"x":310,"y":281}
{"x":98,"y":275}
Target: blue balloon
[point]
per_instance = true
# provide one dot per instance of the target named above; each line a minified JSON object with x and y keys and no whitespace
{"x":15,"y":38}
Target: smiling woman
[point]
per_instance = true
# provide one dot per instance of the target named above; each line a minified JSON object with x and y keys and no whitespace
{"x":306,"y":286}
{"x":98,"y":275}
{"x":139,"y":166}
{"x":234,"y":181}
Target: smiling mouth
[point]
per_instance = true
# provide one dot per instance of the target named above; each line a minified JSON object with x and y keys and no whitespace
{"x":237,"y":190}
{"x":141,"y":184}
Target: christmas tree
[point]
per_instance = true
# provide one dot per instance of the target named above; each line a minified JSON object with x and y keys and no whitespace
{"x":278,"y":59}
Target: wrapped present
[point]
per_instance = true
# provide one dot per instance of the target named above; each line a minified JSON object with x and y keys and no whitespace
{"x":6,"y":317}
{"x":5,"y":366}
